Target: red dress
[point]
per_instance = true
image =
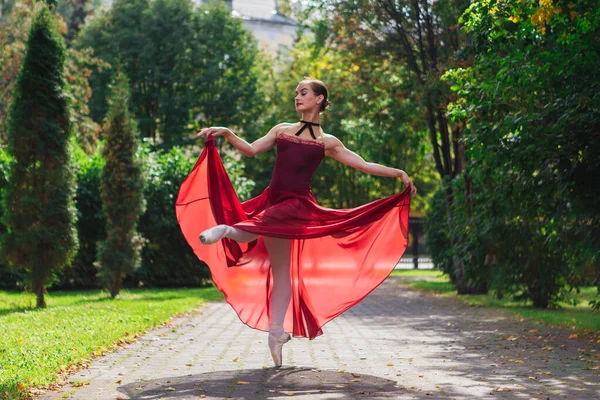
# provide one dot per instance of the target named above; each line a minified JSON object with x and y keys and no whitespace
{"x":337,"y":258}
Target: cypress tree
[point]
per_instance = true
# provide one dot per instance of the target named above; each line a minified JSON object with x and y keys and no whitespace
{"x":38,"y":200}
{"x":122,"y":190}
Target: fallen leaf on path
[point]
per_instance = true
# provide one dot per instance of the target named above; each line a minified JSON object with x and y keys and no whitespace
{"x":235,"y":359}
{"x":390,"y":365}
{"x":243,"y":383}
{"x":171,"y":389}
{"x":547,"y":348}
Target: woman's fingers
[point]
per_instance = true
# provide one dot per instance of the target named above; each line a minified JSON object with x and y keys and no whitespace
{"x":205,"y":132}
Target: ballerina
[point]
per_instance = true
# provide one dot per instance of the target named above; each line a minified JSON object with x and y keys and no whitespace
{"x":298,"y":265}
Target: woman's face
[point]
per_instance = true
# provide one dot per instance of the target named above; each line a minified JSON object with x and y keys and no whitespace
{"x":306,"y":99}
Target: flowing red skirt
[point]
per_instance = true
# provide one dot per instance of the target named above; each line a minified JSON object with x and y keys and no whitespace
{"x":337,"y":258}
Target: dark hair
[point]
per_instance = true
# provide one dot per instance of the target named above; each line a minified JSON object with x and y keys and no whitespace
{"x":320,"y":89}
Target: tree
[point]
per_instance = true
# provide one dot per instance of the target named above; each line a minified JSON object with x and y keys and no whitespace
{"x":533,"y":138}
{"x":122,"y":190}
{"x":38,"y":199}
{"x":187,"y":66}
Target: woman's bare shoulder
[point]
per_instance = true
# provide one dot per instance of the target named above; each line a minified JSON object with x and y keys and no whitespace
{"x":282,"y":127}
{"x":330,"y":140}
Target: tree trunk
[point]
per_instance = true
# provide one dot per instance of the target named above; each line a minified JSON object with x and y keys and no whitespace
{"x":39,"y":290}
{"x":116,"y":284}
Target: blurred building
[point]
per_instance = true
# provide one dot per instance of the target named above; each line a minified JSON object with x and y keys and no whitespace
{"x":274,"y":31}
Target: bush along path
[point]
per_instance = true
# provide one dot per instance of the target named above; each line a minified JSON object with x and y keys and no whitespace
{"x":398,"y":343}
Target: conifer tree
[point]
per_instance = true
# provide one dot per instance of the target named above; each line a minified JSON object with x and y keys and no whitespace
{"x":122,"y":190}
{"x":38,"y":200}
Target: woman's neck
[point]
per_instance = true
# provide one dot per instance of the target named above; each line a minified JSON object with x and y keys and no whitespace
{"x":311,"y":117}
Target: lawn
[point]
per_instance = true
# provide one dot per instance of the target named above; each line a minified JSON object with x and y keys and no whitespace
{"x":35,"y":345}
{"x":578,"y":316}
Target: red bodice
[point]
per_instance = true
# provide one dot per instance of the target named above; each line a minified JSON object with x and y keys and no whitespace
{"x":296,"y":162}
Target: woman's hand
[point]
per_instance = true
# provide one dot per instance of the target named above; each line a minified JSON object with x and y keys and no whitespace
{"x":212,"y":131}
{"x":408,"y":182}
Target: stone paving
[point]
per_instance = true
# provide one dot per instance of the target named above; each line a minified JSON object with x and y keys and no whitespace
{"x":399,"y":343}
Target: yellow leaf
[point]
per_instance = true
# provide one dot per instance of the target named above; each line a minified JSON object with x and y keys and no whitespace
{"x":390,"y":365}
{"x":242,"y":383}
{"x":547,"y":348}
{"x":235,"y":359}
{"x":171,"y":389}
{"x":574,"y":336}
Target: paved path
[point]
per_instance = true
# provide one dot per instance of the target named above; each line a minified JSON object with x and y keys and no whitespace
{"x":398,"y":343}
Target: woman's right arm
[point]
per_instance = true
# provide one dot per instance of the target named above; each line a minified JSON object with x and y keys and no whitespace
{"x":249,"y":150}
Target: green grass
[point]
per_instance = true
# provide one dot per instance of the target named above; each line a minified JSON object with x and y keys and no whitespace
{"x":416,"y":272}
{"x":35,"y":345}
{"x":580,"y":316}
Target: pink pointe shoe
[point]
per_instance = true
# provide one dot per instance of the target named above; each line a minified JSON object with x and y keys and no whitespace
{"x":213,"y":235}
{"x":276,"y":342}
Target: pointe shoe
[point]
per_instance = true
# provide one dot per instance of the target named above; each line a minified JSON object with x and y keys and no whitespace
{"x":276,"y":343}
{"x":213,"y":235}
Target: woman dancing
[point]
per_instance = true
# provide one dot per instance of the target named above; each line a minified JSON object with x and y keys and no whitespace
{"x":284,"y":263}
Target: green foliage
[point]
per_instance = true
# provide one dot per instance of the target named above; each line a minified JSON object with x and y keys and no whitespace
{"x":438,"y":235}
{"x":532,"y":141}
{"x":39,"y":212}
{"x":10,"y":277}
{"x":188,"y":67}
{"x":122,"y":190}
{"x":168,"y":260}
{"x":91,"y":223}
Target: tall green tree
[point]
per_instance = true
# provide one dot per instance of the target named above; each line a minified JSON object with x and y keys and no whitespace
{"x":122,"y":190}
{"x":188,"y":66}
{"x":532,"y":98}
{"x":38,"y":199}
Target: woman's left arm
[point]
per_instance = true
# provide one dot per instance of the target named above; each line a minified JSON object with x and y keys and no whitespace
{"x":334,"y":148}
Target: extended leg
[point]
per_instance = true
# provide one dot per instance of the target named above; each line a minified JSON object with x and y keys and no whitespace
{"x":219,"y":232}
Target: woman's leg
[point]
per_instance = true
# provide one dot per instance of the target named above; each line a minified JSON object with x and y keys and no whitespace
{"x":279,"y":255}
{"x":219,"y":232}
